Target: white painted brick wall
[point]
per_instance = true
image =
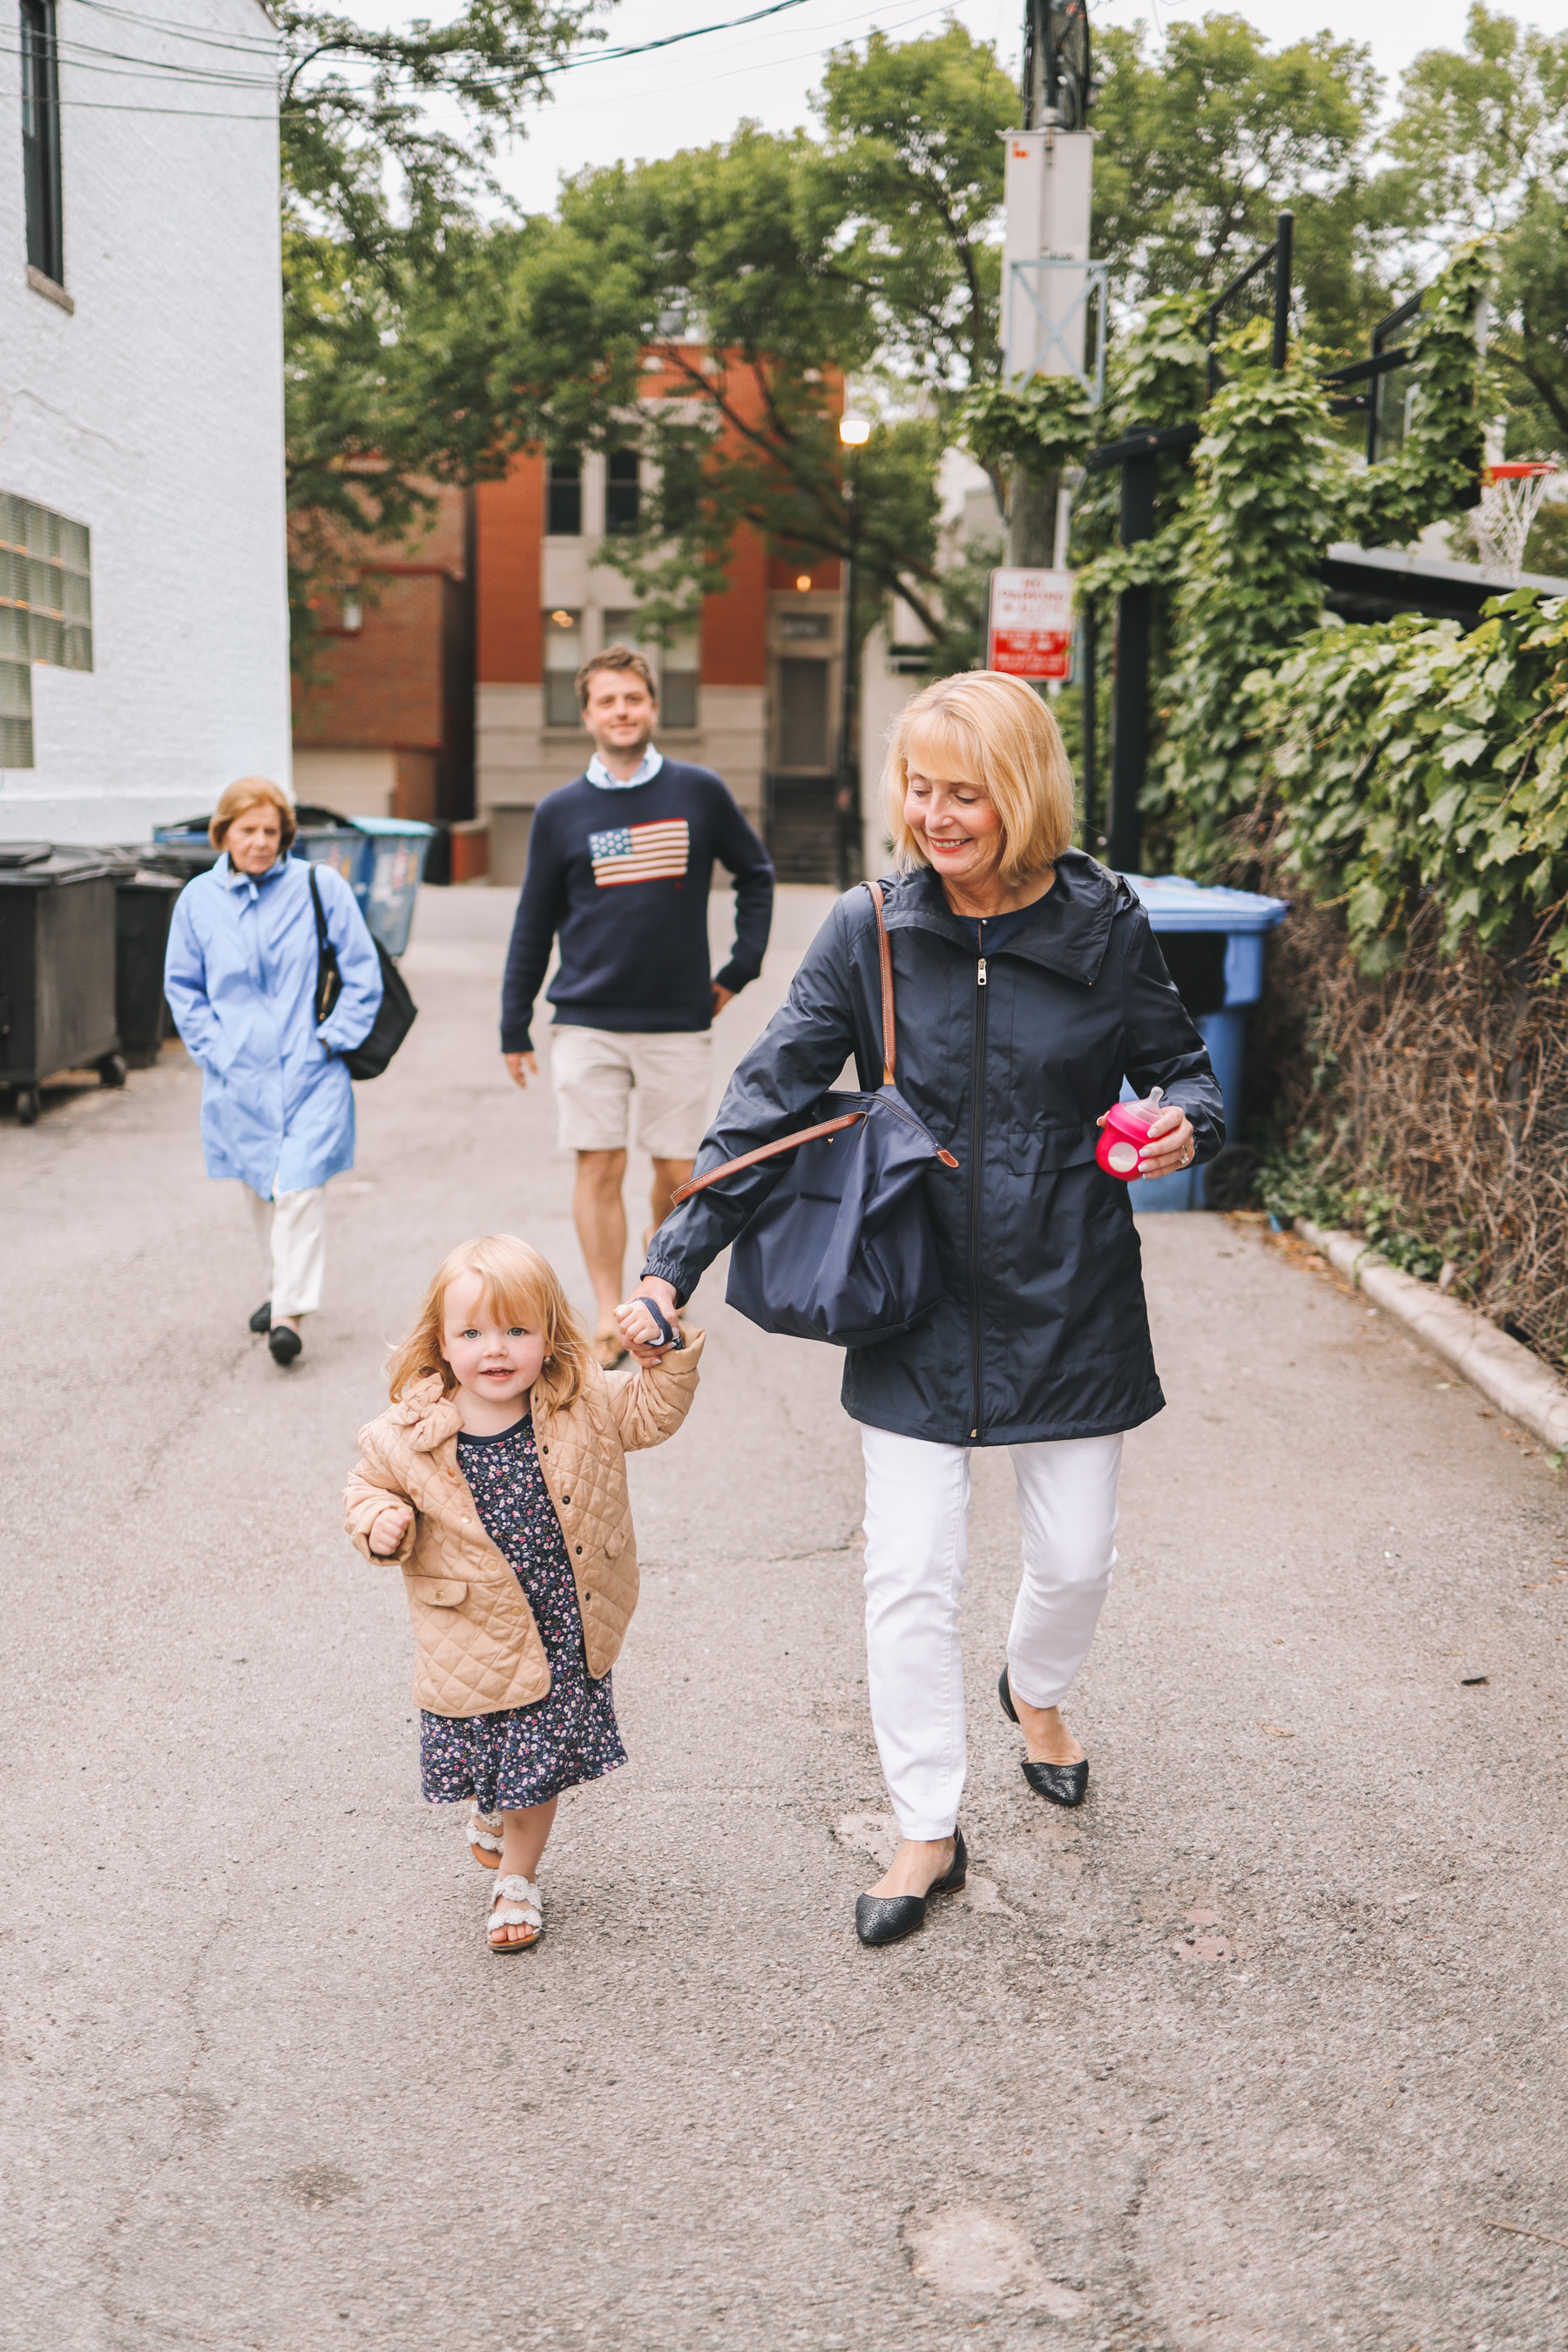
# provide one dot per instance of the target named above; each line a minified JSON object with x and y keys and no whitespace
{"x":154,"y":414}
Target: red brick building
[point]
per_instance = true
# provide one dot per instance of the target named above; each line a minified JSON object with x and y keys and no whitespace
{"x":448,"y":691}
{"x":385,"y":726}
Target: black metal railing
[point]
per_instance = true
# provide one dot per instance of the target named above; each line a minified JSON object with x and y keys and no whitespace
{"x":1374,"y":373}
{"x":1261,"y":290}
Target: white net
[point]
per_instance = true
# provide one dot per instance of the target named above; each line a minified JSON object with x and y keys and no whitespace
{"x":1511,"y":499}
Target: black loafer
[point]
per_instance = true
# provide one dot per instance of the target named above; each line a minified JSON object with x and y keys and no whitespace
{"x":1063,"y":1784}
{"x":261,"y":1321}
{"x":285,"y":1344}
{"x":889,"y":1918}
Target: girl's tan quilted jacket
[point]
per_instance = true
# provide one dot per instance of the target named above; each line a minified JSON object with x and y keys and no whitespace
{"x":479,"y":1647}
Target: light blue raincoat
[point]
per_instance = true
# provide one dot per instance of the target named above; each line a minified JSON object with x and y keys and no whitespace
{"x":277,"y":1105}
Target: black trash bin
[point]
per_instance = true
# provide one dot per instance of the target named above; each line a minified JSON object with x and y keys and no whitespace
{"x":182,"y":849}
{"x":57,"y":968}
{"x":143,"y":905}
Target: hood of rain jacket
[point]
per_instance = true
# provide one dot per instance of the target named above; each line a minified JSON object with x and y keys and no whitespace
{"x":1010,"y":1059}
{"x":240,"y":977}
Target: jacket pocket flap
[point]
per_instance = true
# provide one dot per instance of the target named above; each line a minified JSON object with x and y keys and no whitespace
{"x":1045,"y":1146}
{"x":439,"y":1592}
{"x":615,"y":1544}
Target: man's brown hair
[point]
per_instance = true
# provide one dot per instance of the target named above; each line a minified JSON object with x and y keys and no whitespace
{"x":615,"y":657}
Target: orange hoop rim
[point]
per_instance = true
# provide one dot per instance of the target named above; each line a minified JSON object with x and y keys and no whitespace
{"x":1519,"y":470}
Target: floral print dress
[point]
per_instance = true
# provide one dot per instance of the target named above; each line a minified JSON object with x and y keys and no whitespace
{"x":524,"y":1754}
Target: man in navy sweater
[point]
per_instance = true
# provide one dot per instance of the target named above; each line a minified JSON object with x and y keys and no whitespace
{"x":619,"y":867}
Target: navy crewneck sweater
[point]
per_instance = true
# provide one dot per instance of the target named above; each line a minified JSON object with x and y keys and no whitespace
{"x":623,"y":878}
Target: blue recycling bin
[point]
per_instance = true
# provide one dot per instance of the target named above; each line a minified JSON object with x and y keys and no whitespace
{"x":381,"y":859}
{"x":1213,"y":942}
{"x":324,"y":838}
{"x":399,"y":848}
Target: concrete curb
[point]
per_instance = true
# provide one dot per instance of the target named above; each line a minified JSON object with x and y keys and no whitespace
{"x":1509,"y":1375}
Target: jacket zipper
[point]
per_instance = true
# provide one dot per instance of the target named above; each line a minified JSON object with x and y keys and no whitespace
{"x":976,"y":1124}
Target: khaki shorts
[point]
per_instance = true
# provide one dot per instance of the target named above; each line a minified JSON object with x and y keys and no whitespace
{"x":595,"y":1071}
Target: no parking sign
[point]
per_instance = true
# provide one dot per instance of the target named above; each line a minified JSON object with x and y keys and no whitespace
{"x":1030,"y":631}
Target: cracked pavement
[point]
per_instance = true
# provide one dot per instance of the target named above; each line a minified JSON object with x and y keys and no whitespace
{"x":1261,"y":2049}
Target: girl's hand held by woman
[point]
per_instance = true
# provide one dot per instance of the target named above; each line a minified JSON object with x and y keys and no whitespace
{"x":638,"y":1330}
{"x":388,"y":1529}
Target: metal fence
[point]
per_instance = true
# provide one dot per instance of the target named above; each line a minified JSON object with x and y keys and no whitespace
{"x":1383,"y":401}
{"x":1261,"y":290}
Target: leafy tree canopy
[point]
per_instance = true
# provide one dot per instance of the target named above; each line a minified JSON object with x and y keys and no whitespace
{"x":1480,"y":141}
{"x":393,"y":293}
{"x":1204,"y":140}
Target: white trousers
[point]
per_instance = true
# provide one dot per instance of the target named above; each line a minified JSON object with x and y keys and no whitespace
{"x":291,"y":1229}
{"x":916,"y":1549}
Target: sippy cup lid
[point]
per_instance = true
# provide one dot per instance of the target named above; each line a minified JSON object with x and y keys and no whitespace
{"x":1129,"y":1124}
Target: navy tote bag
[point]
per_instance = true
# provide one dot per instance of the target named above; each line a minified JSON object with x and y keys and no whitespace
{"x":842,"y":1249}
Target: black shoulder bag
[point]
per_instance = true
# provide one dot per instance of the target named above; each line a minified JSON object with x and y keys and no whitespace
{"x":842,"y":1249}
{"x":395,"y":1016}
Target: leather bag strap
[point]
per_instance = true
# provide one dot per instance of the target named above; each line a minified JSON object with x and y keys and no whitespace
{"x":851,"y":1118}
{"x":766,"y":1151}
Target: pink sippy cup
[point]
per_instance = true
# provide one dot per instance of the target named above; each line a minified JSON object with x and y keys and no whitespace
{"x":1124,"y":1134}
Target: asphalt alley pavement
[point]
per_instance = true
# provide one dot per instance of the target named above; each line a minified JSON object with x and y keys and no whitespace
{"x":1264,"y":2048}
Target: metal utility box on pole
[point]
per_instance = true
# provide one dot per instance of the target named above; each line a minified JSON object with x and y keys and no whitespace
{"x":1049,"y":289}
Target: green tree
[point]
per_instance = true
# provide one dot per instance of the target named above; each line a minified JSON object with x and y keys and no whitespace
{"x":1204,"y":140}
{"x":396,"y":298}
{"x":759,"y":274}
{"x":1480,"y":141}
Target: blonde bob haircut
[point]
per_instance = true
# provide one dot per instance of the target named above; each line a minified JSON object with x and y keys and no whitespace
{"x":252,"y":792}
{"x":519,"y":1287}
{"x":982,"y":727}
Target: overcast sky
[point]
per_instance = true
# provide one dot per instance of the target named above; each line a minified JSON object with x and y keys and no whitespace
{"x":698,"y":92}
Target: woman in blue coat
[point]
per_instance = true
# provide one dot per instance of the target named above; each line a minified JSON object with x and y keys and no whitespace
{"x":278,"y":1107}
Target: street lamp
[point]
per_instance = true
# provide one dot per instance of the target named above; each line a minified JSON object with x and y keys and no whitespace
{"x":854,"y":432}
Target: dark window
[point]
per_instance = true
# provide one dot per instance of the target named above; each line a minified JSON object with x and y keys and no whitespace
{"x":677,"y":697}
{"x":803,"y":714}
{"x":563,"y":498}
{"x":41,"y":139}
{"x":622,"y":492}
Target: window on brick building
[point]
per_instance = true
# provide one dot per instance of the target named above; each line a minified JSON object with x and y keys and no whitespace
{"x":563,"y":659}
{"x":622,"y":493}
{"x":563,"y":497}
{"x":46,"y":611}
{"x":41,"y":141}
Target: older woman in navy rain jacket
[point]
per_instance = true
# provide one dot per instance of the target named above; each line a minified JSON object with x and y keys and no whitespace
{"x":1028,"y":986}
{"x":240,"y":976}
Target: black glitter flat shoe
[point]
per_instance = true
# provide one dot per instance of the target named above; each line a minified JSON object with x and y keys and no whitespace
{"x":889,"y":1918}
{"x":261,"y":1321}
{"x":1063,"y":1784}
{"x":285,"y":1344}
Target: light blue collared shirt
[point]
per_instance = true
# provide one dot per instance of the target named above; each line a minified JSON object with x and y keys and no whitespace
{"x":646,"y":768}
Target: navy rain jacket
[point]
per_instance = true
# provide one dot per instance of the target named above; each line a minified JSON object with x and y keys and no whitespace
{"x":1041,"y":1331}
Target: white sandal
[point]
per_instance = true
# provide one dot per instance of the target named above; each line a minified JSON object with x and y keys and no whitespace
{"x":484,"y":1838}
{"x":515,"y":1904}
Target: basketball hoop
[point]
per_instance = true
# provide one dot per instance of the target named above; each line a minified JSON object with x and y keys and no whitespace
{"x":1511,"y":499}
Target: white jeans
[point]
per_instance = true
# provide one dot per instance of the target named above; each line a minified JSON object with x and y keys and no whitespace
{"x":292,"y":1231}
{"x":916,"y":1549}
